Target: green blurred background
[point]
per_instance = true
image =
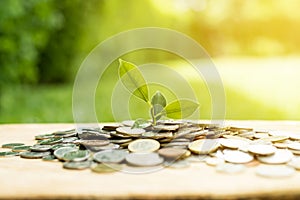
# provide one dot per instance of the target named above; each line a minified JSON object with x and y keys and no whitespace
{"x":255,"y":45}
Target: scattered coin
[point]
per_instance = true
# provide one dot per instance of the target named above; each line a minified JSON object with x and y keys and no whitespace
{"x":21,"y":148}
{"x":233,"y":143}
{"x":12,"y":145}
{"x":261,"y":135}
{"x":110,"y":156}
{"x":59,"y":153}
{"x":276,"y":138}
{"x":135,"y":132}
{"x":144,"y":145}
{"x":57,"y":146}
{"x":214,"y":161}
{"x":44,"y":136}
{"x":106,"y":168}
{"x":281,"y":156}
{"x":49,"y":158}
{"x":92,"y":143}
{"x":38,"y":147}
{"x":275,"y":171}
{"x":261,"y":149}
{"x":173,"y":153}
{"x":294,"y":136}
{"x":50,"y":141}
{"x":77,"y":165}
{"x":76,"y":156}
{"x":238,"y":157}
{"x":33,"y":155}
{"x":144,"y":159}
{"x":294,"y":146}
{"x":204,"y":146}
{"x":8,"y":154}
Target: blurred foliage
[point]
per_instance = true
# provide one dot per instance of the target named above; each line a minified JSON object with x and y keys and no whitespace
{"x":45,"y":41}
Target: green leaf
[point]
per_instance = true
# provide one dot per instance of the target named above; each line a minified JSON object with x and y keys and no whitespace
{"x":133,"y":80}
{"x":159,"y":99}
{"x":181,"y":108}
{"x":141,"y":123}
{"x":158,"y":102}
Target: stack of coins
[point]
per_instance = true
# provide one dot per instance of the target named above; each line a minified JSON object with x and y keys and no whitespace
{"x":169,"y":143}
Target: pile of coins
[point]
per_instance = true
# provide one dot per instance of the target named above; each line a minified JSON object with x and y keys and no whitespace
{"x":176,"y":144}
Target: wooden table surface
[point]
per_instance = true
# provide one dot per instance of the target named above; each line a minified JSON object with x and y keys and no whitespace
{"x":36,"y":179}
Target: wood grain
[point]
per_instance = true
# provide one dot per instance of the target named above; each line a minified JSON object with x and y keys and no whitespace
{"x":36,"y":179}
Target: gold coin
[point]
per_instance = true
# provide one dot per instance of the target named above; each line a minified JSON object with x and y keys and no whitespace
{"x":204,"y":146}
{"x":143,"y":146}
{"x":262,"y":149}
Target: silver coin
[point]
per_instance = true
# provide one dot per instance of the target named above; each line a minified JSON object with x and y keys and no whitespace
{"x":144,"y":159}
{"x":49,"y":158}
{"x":110,"y":156}
{"x":76,"y":156}
{"x":214,"y":161}
{"x":33,"y":155}
{"x":59,"y":153}
{"x":44,"y":136}
{"x":12,"y":145}
{"x":50,"y":141}
{"x":77,"y":165}
{"x":261,"y":149}
{"x":40,"y":148}
{"x":8,"y":154}
{"x":281,"y":156}
{"x":21,"y":148}
{"x":57,"y":146}
{"x":275,"y":171}
{"x":237,"y":157}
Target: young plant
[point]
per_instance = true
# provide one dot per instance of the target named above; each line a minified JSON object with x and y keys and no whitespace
{"x":135,"y":83}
